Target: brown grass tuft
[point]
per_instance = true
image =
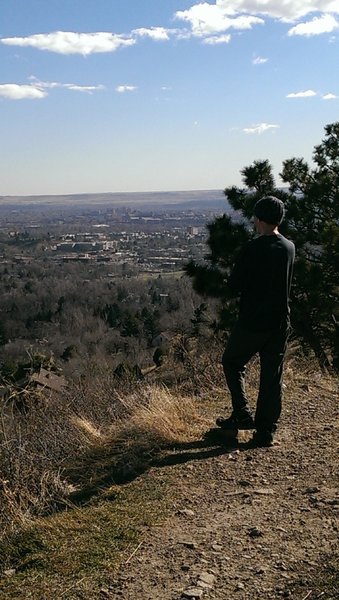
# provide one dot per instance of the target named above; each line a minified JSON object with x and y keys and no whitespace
{"x":156,"y":419}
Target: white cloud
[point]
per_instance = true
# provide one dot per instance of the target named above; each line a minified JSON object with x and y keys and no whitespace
{"x":329,"y":97}
{"x":38,"y":89}
{"x":83,"y":88}
{"x":259,"y":60}
{"x":14,"y":91}
{"x":70,"y":86}
{"x":260,"y":128}
{"x":67,"y":42}
{"x":286,"y":10}
{"x":317,"y":26}
{"x":215,"y":40}
{"x":306,"y":94}
{"x":155,"y":33}
{"x":206,"y":19}
{"x":125,"y":88}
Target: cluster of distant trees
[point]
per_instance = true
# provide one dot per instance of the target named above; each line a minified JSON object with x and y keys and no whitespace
{"x":73,"y":314}
{"x":312,"y":222}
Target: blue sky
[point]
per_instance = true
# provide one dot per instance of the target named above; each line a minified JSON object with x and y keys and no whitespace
{"x":147,"y":95}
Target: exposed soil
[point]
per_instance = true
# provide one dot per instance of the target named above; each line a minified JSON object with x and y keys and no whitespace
{"x":248,"y":523}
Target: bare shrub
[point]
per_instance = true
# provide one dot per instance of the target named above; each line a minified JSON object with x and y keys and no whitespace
{"x":33,"y":446}
{"x":39,"y":436}
{"x":201,"y":370}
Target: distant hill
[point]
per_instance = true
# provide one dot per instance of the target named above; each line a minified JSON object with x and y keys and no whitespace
{"x":180,"y":200}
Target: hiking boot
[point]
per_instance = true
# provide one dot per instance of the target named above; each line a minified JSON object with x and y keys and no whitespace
{"x":262,"y":439}
{"x":234,"y":423}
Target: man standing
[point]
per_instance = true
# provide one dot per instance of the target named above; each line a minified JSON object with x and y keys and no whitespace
{"x":262,"y":276}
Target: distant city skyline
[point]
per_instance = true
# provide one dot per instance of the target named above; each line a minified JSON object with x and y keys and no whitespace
{"x":136,"y":96}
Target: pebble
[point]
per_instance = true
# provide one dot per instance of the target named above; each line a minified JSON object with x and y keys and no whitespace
{"x":192,"y":545}
{"x":193,"y":593}
{"x":333,"y":502}
{"x":281,"y":565}
{"x":312,"y":490}
{"x":206,"y":578}
{"x":244,"y":482}
{"x":217,"y":547}
{"x":255,"y":532}
{"x":186,"y":512}
{"x":263,"y":491}
{"x":203,"y":585}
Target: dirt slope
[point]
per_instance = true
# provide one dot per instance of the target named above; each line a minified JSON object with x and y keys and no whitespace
{"x":248,"y":523}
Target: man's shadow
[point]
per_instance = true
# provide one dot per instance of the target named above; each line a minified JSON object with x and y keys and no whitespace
{"x":96,"y":472}
{"x":214,"y":442}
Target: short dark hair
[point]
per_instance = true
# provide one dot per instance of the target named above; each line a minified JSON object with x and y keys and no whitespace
{"x":269,"y":209}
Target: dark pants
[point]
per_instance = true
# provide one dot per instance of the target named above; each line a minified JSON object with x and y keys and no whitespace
{"x":242,"y":346}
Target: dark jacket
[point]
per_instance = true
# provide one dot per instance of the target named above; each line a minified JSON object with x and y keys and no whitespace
{"x":262,"y":276}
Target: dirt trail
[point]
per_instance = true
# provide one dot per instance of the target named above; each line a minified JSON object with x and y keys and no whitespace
{"x":248,"y":523}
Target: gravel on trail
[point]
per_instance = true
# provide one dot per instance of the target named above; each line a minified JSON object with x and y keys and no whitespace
{"x":247,"y":523}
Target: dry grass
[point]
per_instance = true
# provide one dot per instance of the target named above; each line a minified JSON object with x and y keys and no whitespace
{"x":32,"y":447}
{"x":157,"y":416}
{"x":101,"y":430}
{"x":39,"y":437}
{"x":156,"y":419}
